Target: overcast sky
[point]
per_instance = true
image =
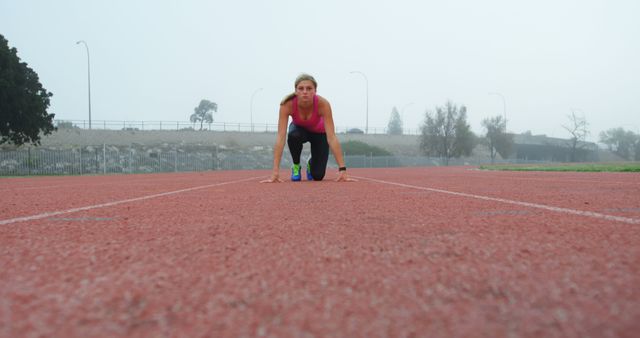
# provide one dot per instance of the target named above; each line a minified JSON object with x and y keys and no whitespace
{"x":155,"y":60}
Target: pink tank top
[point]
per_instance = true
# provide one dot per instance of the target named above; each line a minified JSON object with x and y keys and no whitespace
{"x":315,"y":123}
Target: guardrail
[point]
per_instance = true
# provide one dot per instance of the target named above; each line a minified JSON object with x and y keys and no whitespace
{"x":215,"y":126}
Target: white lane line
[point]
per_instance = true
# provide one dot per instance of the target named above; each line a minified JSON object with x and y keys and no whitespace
{"x":502,"y":200}
{"x":109,"y":204}
{"x":87,"y":184}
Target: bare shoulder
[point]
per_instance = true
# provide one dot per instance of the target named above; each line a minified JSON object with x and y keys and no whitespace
{"x":287,"y":107}
{"x":323,"y":105}
{"x":322,"y":101}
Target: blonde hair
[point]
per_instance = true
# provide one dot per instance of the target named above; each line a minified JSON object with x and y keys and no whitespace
{"x":300,"y":78}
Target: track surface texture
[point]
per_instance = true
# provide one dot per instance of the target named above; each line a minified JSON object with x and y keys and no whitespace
{"x":411,"y":252}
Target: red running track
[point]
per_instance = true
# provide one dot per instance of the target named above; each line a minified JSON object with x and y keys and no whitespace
{"x":428,"y":252}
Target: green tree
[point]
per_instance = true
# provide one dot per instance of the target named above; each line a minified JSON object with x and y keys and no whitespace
{"x":497,"y":139}
{"x":446,"y":133}
{"x":23,"y":100}
{"x":204,"y":112}
{"x":578,"y":129}
{"x":625,"y":144}
{"x":395,"y":123}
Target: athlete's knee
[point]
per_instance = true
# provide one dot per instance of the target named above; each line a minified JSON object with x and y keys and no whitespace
{"x":318,"y":174}
{"x":294,"y":135}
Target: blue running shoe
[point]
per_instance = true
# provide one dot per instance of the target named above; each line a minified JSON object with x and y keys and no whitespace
{"x":295,"y":173}
{"x":309,"y":177}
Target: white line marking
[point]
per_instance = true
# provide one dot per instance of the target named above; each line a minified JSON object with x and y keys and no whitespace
{"x":526,"y":204}
{"x":109,"y":204}
{"x":121,"y":182}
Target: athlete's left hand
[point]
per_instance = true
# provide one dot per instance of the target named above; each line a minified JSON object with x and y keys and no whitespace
{"x":275,"y":178}
{"x":343,"y":177}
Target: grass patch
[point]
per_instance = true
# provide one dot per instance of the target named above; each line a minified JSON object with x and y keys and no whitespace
{"x":580,"y":167}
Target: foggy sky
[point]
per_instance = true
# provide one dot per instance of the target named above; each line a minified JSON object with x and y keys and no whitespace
{"x":155,"y":60}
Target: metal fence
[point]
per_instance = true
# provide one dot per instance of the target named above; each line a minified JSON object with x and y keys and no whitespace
{"x":216,"y":126}
{"x":106,"y":159}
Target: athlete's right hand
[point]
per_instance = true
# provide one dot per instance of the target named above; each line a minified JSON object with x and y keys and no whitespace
{"x":275,"y":178}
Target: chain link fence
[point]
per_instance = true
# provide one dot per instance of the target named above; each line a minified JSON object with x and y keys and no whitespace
{"x":106,"y":159}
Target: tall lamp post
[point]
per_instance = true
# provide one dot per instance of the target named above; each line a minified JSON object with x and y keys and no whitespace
{"x":402,"y":115}
{"x":88,"y":76}
{"x":366,"y":129}
{"x":504,"y":108}
{"x":251,"y":107}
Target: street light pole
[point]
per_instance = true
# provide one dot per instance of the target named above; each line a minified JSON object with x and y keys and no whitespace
{"x":251,"y":106}
{"x":504,"y":107}
{"x":402,"y":115}
{"x":88,"y":76}
{"x":366,"y":129}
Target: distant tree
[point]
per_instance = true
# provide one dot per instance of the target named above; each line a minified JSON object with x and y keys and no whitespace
{"x":65,"y":125}
{"x":395,"y":123}
{"x":446,"y":133}
{"x":204,"y":112}
{"x":497,"y":139}
{"x":577,"y":127}
{"x":23,"y":100}
{"x":623,"y":143}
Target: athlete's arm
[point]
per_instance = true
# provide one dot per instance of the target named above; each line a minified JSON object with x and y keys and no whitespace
{"x":324,"y":109}
{"x":283,"y":118}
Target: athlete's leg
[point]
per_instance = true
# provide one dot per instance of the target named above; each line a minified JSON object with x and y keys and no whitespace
{"x":319,"y":155}
{"x":295,"y":138}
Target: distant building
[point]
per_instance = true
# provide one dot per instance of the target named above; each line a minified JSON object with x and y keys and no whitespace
{"x":550,"y":149}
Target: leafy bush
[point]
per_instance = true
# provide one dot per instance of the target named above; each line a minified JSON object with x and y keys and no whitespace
{"x":361,"y":148}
